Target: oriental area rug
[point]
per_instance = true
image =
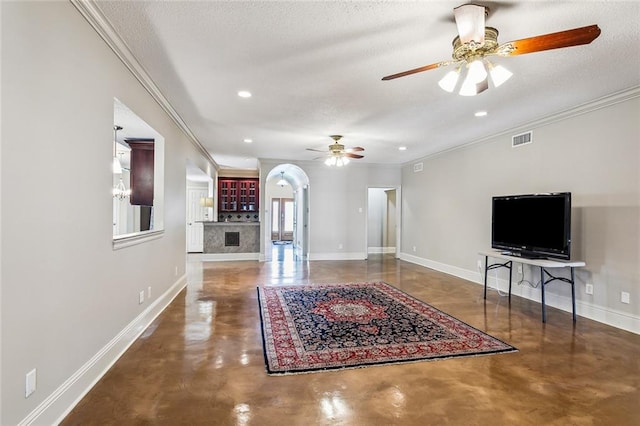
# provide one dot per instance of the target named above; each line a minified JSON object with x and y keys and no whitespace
{"x":318,"y":327}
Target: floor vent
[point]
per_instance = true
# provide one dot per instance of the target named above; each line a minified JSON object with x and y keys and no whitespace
{"x":522,"y":139}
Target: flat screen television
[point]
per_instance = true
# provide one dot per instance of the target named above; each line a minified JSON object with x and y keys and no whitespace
{"x":532,"y":225}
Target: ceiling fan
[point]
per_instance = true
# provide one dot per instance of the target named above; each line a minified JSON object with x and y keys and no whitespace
{"x":337,"y":154}
{"x":475,"y":43}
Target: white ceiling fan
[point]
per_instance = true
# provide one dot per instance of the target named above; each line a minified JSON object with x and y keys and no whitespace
{"x":476,"y":42}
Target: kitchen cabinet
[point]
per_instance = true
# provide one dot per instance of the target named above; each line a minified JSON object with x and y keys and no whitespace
{"x":238,"y":195}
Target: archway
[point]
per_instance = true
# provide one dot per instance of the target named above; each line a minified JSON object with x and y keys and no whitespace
{"x":298,"y":181}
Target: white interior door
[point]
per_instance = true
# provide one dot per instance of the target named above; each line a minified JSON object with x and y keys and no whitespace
{"x":195,"y":216}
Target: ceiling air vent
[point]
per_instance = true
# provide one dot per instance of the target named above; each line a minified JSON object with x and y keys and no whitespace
{"x":417,"y":167}
{"x":522,"y":139}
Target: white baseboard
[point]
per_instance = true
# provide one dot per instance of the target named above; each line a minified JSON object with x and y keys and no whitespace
{"x":605,"y":315}
{"x":224,"y":257}
{"x":378,"y":250}
{"x":442,"y":267}
{"x":57,"y":405}
{"x":338,"y":256}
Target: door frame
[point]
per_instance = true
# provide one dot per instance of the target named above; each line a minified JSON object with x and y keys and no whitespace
{"x":398,"y":214}
{"x":195,"y":215}
{"x":282,"y":234}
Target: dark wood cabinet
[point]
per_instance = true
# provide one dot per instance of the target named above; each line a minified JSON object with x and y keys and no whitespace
{"x":238,"y":195}
{"x":142,"y":172}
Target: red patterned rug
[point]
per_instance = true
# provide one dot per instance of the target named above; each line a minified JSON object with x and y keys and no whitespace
{"x":333,"y":326}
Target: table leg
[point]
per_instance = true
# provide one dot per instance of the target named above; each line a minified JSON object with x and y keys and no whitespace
{"x":573,"y":293}
{"x":544,"y":311}
{"x":486,"y":267}
{"x":510,"y":279}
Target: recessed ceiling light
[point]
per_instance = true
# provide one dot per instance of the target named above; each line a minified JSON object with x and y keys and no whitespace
{"x":248,"y":140}
{"x":402,"y":148}
{"x":480,"y":113}
{"x":244,"y":94}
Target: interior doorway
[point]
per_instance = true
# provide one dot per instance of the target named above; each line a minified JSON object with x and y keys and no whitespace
{"x":195,"y":218}
{"x":282,"y":219}
{"x":286,"y":195}
{"x":383,"y":221}
{"x":199,"y":207}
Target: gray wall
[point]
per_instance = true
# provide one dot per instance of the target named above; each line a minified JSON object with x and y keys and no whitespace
{"x":595,"y":155}
{"x":65,"y":292}
{"x":337,"y":205}
{"x":376,"y":217}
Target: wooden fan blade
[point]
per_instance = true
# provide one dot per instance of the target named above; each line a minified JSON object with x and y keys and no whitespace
{"x":316,"y":150}
{"x":355,"y":148}
{"x":568,"y":38}
{"x":350,"y":155}
{"x":415,"y":70}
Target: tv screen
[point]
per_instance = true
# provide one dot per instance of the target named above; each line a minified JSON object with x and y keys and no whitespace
{"x":533,"y":225}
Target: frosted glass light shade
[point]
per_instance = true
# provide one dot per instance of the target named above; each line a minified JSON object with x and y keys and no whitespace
{"x":116,"y":166}
{"x":470,"y":23}
{"x":449,"y":81}
{"x":499,"y":74}
{"x":206,"y":202}
{"x":471,"y":88}
{"x":477,"y":72}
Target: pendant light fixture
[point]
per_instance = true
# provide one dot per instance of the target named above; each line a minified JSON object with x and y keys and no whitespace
{"x":282,"y":182}
{"x":117,"y":167}
{"x":119,"y":191}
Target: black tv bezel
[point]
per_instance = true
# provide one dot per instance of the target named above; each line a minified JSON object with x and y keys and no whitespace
{"x":533,"y":251}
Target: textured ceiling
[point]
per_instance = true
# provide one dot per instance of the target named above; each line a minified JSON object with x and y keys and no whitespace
{"x":315,"y":69}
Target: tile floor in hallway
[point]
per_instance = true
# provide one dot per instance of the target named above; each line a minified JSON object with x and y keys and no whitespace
{"x":201,"y":361}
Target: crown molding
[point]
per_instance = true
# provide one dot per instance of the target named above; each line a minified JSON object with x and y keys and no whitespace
{"x":94,"y":16}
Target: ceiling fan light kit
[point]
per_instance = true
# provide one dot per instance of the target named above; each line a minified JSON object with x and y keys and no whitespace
{"x":475,"y":42}
{"x":338,"y":155}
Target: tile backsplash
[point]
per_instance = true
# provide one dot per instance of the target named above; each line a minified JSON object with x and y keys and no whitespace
{"x":238,"y":217}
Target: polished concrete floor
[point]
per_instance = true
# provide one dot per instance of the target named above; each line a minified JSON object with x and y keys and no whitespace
{"x":201,"y":361}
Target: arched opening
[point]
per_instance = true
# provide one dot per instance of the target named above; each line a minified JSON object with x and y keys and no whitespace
{"x":286,"y":222}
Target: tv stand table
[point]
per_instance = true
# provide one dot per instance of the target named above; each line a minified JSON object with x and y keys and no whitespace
{"x":544,"y":264}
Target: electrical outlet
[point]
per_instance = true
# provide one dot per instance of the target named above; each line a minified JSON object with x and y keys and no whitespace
{"x":30,"y":383}
{"x":588,"y":288}
{"x":414,"y":249}
{"x":340,"y":246}
{"x":149,"y":292}
{"x":176,"y":271}
{"x":625,"y":297}
{"x":520,"y":269}
{"x":479,"y":264}
{"x":141,"y":298}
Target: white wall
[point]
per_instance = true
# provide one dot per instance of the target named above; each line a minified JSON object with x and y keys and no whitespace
{"x":66,"y":293}
{"x":595,"y":155}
